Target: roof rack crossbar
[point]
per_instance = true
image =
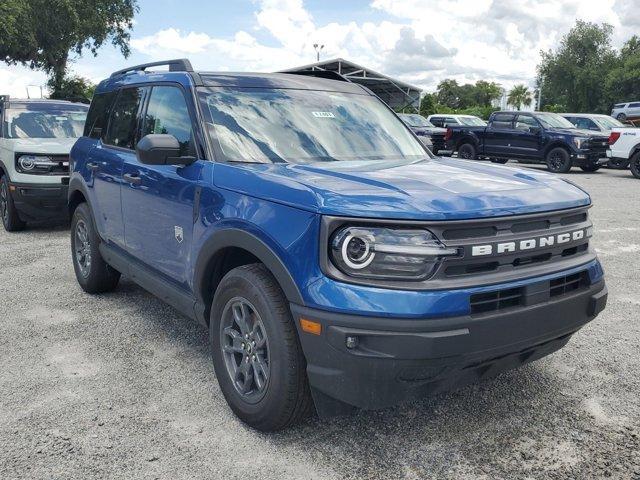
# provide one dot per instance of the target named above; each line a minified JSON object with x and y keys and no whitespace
{"x":176,"y":65}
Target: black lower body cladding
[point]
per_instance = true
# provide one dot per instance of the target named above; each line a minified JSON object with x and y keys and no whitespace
{"x":40,"y":202}
{"x":373,"y":363}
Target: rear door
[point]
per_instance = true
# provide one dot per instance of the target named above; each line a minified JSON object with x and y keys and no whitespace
{"x":499,"y":134}
{"x":106,"y":160}
{"x":633,"y":111}
{"x":158,"y":200}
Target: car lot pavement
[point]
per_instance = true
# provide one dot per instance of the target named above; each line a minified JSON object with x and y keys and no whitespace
{"x":121,"y":386}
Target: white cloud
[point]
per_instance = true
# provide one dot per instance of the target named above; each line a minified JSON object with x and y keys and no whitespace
{"x":419,"y":41}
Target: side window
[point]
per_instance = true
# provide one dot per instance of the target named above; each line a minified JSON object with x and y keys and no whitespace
{"x":502,"y":120}
{"x":450,"y":122}
{"x":98,"y":116}
{"x":437,"y":121}
{"x":585,"y":123}
{"x":634,"y":105}
{"x":167,"y":113}
{"x":525,"y":123}
{"x":124,"y":118}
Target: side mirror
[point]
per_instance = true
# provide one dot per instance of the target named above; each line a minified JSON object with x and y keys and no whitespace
{"x":161,"y":149}
{"x":535,"y":130}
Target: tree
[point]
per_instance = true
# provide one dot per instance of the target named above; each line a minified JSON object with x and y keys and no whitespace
{"x":43,"y":33}
{"x":73,"y":88}
{"x":486,"y":93}
{"x":623,"y":81}
{"x":519,"y":96}
{"x":427,"y":105}
{"x":573,"y":74}
{"x":448,"y":93}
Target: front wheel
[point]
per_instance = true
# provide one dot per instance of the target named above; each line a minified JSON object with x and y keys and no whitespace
{"x":591,"y":167}
{"x":558,"y":160}
{"x":501,"y":161}
{"x":467,"y":151}
{"x":621,"y":117}
{"x":93,"y":274}
{"x":10,"y":219}
{"x":257,"y":355}
{"x":634,"y":165}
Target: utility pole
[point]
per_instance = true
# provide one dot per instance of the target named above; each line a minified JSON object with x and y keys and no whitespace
{"x":317,"y":48}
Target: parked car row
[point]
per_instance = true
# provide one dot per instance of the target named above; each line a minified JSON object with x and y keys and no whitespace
{"x":336,"y":263}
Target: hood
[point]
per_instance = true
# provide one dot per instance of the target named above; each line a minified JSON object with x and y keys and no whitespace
{"x":429,"y":130}
{"x":577,"y":132}
{"x":430,"y":189}
{"x":52,"y":146}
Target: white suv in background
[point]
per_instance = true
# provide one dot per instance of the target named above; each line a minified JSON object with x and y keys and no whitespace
{"x":624,"y":143}
{"x":35,"y":139}
{"x":626,"y":111}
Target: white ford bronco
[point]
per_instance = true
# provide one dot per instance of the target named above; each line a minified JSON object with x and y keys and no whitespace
{"x":35,"y":139}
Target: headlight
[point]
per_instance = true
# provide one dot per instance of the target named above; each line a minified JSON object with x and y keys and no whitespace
{"x":39,"y":164}
{"x":387,"y":253}
{"x":581,"y":142}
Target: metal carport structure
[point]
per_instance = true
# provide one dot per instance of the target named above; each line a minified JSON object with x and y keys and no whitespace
{"x":395,"y":93}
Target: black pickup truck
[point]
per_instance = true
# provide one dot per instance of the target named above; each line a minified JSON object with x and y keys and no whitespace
{"x":538,"y":137}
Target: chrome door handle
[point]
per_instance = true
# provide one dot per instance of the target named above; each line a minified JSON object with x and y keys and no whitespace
{"x":132,"y":179}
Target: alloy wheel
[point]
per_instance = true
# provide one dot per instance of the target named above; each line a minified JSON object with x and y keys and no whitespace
{"x":245,"y":349}
{"x":83,"y":248}
{"x":556,"y":160}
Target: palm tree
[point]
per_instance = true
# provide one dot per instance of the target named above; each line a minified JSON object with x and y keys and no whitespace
{"x":518,"y":96}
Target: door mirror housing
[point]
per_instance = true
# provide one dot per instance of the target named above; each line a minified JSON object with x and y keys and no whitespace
{"x":535,"y":130}
{"x":161,"y":149}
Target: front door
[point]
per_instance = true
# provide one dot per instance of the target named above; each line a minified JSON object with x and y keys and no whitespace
{"x":527,"y":137}
{"x":498,"y":135}
{"x":158,"y":200}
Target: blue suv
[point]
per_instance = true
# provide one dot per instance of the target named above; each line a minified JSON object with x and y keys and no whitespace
{"x":336,"y":263}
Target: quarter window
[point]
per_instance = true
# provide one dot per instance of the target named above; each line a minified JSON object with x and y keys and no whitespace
{"x":124,"y":118}
{"x":98,"y":115}
{"x":167,"y":113}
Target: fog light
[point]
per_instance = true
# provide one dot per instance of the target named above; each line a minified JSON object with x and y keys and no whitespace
{"x":351,"y":342}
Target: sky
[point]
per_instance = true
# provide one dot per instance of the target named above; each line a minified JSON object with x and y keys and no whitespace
{"x":419,"y":41}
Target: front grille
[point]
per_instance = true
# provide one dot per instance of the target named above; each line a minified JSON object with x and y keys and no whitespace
{"x":529,"y":295}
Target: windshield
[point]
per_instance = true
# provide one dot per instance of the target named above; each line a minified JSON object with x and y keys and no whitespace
{"x":304,"y":126}
{"x":607,"y":123}
{"x":472,"y":121}
{"x":415,"y":120}
{"x":553,"y":120}
{"x":40,"y":121}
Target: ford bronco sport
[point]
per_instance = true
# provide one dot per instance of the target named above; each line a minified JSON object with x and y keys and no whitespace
{"x":35,"y":139}
{"x":334,"y":260}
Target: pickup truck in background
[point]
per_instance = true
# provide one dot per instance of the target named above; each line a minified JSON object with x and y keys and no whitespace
{"x":429,"y":134}
{"x":539,"y":137}
{"x":624,"y":145}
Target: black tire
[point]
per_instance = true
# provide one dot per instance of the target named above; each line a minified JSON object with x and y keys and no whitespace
{"x":251,"y":292}
{"x":10,"y":218}
{"x":591,"y":167}
{"x":467,"y":151}
{"x":618,"y":163}
{"x":634,"y":164}
{"x":93,"y":274}
{"x":558,"y":160}
{"x":501,"y":161}
{"x":621,"y":117}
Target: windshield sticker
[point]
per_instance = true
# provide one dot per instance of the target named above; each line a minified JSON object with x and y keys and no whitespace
{"x":323,"y":115}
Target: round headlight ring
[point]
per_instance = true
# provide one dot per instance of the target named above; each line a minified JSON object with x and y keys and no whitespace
{"x":27,"y":162}
{"x":361,"y":245}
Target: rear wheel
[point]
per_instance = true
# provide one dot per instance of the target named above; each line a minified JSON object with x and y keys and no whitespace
{"x":558,"y":160}
{"x":634,"y":165}
{"x":93,"y":274}
{"x":467,"y":151}
{"x":591,"y":167}
{"x":256,"y":352}
{"x":621,"y":117}
{"x":10,"y":219}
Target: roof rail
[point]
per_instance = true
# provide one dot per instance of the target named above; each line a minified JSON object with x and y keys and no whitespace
{"x":177,"y":65}
{"x":329,"y":74}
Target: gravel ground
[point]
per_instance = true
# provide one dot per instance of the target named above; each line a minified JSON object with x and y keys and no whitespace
{"x":121,"y":386}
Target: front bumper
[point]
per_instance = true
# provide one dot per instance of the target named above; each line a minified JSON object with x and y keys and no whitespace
{"x":400,"y":359}
{"x":40,"y":202}
{"x":589,"y":156}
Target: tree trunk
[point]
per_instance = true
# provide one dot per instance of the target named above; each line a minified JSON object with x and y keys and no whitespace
{"x":57,"y":76}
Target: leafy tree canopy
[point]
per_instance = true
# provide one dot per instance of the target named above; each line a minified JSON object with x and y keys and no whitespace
{"x":42,"y":33}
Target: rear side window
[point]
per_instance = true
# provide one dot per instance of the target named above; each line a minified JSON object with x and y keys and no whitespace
{"x":167,"y":113}
{"x":502,"y":120}
{"x":620,"y":105}
{"x":634,"y":105}
{"x":124,"y":118}
{"x":98,"y":115}
{"x":437,"y":121}
{"x":585,"y":123}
